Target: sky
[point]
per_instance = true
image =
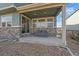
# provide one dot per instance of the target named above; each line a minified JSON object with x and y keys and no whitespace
{"x":70,"y":8}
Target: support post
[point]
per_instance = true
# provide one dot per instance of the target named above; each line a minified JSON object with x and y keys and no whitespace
{"x":55,"y":26}
{"x":64,"y":24}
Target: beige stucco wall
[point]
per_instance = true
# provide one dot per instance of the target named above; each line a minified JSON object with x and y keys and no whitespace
{"x":73,"y":21}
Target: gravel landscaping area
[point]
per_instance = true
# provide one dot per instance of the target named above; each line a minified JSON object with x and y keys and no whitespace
{"x":74,"y":46}
{"x":26,"y":49}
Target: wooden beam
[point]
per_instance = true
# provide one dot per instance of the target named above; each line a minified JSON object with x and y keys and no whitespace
{"x":31,"y":5}
{"x":38,"y":6}
{"x":44,"y":17}
{"x":25,"y":16}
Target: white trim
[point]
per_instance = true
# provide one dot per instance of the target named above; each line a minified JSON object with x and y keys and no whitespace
{"x":16,"y":26}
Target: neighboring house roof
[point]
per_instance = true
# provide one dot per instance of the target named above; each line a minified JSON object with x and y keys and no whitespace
{"x":7,"y":8}
{"x":5,"y":5}
{"x":21,"y":4}
{"x":72,"y":21}
{"x":10,"y":7}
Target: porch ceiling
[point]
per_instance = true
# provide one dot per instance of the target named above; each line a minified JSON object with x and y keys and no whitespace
{"x":43,"y":12}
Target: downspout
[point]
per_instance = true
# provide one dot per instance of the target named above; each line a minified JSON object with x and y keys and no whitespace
{"x":70,"y":51}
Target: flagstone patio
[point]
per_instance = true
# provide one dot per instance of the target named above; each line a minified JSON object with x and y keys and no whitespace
{"x":10,"y":48}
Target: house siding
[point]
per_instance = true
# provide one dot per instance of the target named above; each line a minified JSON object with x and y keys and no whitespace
{"x":16,"y":19}
{"x":20,"y":20}
{"x":21,"y":4}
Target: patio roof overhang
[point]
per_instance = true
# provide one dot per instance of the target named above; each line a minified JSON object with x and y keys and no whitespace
{"x":41,"y":9}
{"x":43,"y":13}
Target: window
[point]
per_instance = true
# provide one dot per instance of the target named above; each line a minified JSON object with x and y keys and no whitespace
{"x":50,"y":25}
{"x":9,"y":24}
{"x":50,"y":20}
{"x":34,"y":21}
{"x":3,"y":24}
{"x":41,"y":20}
{"x":34,"y":25}
{"x":6,"y":20}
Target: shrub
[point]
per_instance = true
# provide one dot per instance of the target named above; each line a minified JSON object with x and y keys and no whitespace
{"x":72,"y":36}
{"x":77,"y":37}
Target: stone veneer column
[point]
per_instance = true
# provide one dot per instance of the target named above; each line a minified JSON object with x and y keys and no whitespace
{"x":64,"y":24}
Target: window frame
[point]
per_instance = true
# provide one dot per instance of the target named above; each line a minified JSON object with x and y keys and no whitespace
{"x":6,"y":22}
{"x":50,"y":20}
{"x":41,"y":20}
{"x":52,"y":23}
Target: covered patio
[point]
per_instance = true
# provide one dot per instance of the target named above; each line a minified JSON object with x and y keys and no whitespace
{"x":37,"y":11}
{"x":49,"y":41}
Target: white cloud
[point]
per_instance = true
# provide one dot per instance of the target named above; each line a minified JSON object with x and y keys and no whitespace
{"x":69,"y":11}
